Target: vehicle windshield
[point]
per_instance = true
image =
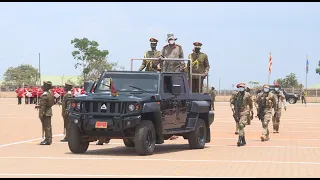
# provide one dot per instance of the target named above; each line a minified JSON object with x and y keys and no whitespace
{"x":129,"y":82}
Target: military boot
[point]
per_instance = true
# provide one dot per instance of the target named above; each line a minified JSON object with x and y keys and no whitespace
{"x":240,"y":141}
{"x":99,"y":142}
{"x":64,"y":140}
{"x":46,"y":142}
{"x":244,"y":140}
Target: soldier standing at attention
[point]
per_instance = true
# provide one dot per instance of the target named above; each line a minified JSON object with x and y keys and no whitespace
{"x":65,"y":113}
{"x":45,"y":112}
{"x":200,"y":65}
{"x":172,"y":50}
{"x":243,"y":101}
{"x":213,"y":94}
{"x":303,"y":98}
{"x":19,"y":92}
{"x":265,"y":102}
{"x":281,"y":101}
{"x":150,"y":65}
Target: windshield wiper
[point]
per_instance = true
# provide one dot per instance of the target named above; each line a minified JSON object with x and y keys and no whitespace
{"x":138,"y":88}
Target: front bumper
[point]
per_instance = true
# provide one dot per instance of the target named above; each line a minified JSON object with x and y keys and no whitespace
{"x":116,"y":126}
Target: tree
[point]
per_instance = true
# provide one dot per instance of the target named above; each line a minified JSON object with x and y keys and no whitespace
{"x":318,"y":69}
{"x":24,"y":73}
{"x":290,"y":81}
{"x":254,"y":84}
{"x":92,"y":60}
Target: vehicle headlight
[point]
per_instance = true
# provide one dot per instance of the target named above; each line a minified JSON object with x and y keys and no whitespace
{"x":131,"y":107}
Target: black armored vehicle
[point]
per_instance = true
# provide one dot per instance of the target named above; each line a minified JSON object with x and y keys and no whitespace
{"x":142,"y":108}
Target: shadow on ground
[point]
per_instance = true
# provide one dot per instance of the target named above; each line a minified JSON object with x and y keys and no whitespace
{"x":130,"y":151}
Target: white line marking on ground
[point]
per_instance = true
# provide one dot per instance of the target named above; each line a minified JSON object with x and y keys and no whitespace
{"x":167,"y":160}
{"x":21,"y":142}
{"x":114,"y":175}
{"x":211,"y":145}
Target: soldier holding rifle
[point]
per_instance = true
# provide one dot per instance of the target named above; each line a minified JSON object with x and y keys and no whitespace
{"x":242,"y":106}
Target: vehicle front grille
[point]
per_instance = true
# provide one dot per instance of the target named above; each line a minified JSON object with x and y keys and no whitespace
{"x":103,"y":107}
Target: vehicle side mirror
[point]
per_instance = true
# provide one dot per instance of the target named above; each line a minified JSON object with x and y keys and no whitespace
{"x":176,"y":90}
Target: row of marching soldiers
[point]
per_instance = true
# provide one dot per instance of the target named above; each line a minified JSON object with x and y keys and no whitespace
{"x":31,"y":93}
{"x":241,"y":103}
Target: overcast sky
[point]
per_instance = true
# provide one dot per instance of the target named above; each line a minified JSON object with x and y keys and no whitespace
{"x":236,"y":36}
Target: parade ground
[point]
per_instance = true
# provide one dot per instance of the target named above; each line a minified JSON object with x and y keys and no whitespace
{"x":294,"y":152}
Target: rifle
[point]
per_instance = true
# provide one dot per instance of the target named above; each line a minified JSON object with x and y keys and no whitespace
{"x":260,"y":113}
{"x":236,"y":114}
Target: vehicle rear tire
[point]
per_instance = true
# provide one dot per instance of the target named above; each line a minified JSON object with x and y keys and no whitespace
{"x":197,"y":138}
{"x":128,"y":142}
{"x":145,"y":138}
{"x":75,"y":142}
{"x":292,"y":100}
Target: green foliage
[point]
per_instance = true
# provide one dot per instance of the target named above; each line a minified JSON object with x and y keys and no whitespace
{"x":25,"y":73}
{"x":318,"y":69}
{"x":253,"y":84}
{"x":290,"y":81}
{"x":92,"y":60}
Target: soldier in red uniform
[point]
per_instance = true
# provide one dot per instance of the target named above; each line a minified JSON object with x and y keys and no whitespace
{"x":20,"y":92}
{"x":27,"y":94}
{"x":82,"y":90}
{"x":40,"y":92}
{"x":34,"y":94}
{"x":62,"y":93}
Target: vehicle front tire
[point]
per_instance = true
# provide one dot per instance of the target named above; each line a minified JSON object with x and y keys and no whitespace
{"x":197,"y":138}
{"x":292,"y":100}
{"x":75,"y":142}
{"x":145,"y":138}
{"x":128,"y":142}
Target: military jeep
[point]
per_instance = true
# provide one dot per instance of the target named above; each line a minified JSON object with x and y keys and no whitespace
{"x":143,"y":109}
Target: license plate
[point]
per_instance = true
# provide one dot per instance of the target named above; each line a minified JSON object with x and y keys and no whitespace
{"x":101,"y":124}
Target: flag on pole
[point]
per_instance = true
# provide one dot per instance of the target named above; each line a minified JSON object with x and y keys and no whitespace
{"x":307,"y":65}
{"x":270,"y":63}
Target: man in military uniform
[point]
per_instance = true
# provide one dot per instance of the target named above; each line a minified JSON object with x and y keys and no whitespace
{"x":200,"y":65}
{"x":65,"y":105}
{"x":45,"y":112}
{"x":244,"y":104}
{"x":233,"y":95}
{"x":281,"y":102}
{"x":213,"y":94}
{"x":265,"y":102}
{"x":249,"y":117}
{"x":151,"y":65}
{"x":172,"y":50}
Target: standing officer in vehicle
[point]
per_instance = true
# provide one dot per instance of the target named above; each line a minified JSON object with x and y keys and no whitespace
{"x":242,"y":106}
{"x":172,"y":50}
{"x":45,"y":112}
{"x":265,"y":102}
{"x":281,"y":102}
{"x":200,"y":65}
{"x":151,"y":65}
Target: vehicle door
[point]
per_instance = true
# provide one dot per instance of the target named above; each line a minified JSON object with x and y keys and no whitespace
{"x":182,"y":100}
{"x":168,"y":104}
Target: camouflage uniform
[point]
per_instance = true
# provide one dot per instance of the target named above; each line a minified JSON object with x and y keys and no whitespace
{"x":281,"y":101}
{"x":213,"y":94}
{"x":249,"y":117}
{"x":233,"y":95}
{"x":267,"y":101}
{"x":172,"y":51}
{"x":45,"y":112}
{"x":65,"y":113}
{"x":200,"y":65}
{"x":245,"y":108}
{"x":150,"y":65}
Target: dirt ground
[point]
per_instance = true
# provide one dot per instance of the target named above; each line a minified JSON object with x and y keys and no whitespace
{"x":294,"y":152}
{"x":218,"y":98}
